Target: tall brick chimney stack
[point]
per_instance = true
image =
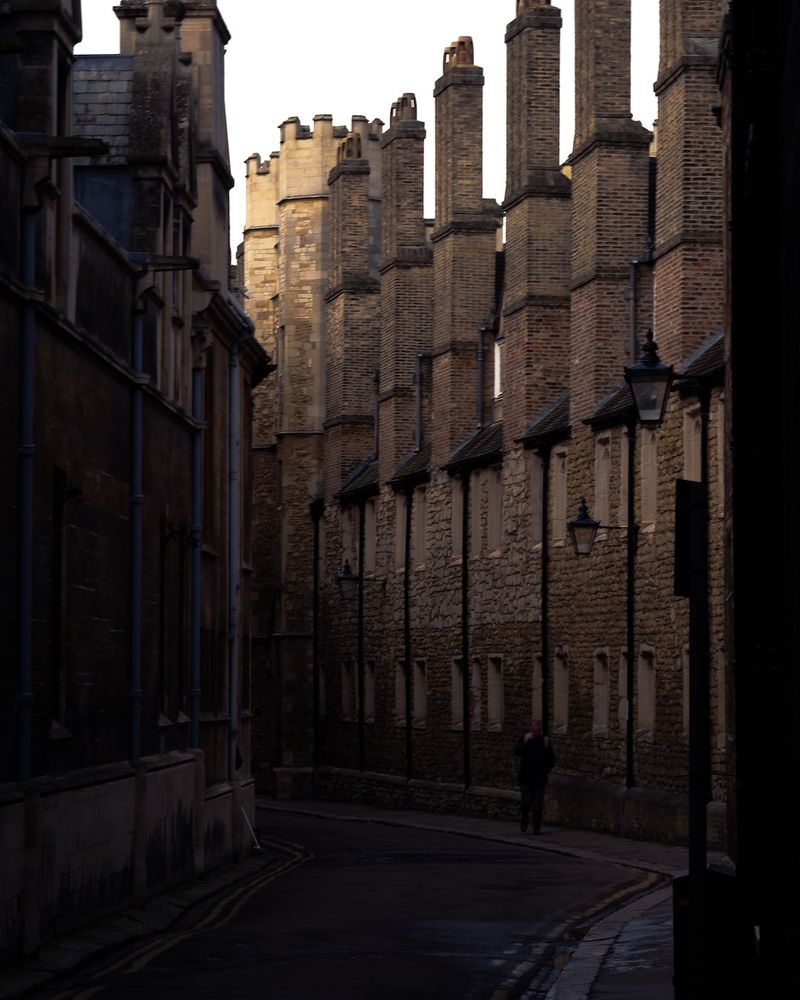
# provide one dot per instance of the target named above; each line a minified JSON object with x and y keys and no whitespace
{"x":406,"y":282}
{"x":610,"y":197}
{"x":689,"y":199}
{"x":352,"y":316}
{"x":536,"y":299}
{"x":465,"y":246}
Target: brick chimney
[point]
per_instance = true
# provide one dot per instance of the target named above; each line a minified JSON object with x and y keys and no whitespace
{"x":610,"y":197}
{"x":536,"y":298}
{"x":689,"y":197}
{"x":406,"y":282}
{"x":465,"y":246}
{"x":352,"y":316}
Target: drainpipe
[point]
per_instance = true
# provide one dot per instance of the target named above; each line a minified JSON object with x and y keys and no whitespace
{"x":234,"y":557}
{"x":360,"y":637}
{"x":317,"y":510}
{"x":407,"y":633}
{"x":196,"y":541}
{"x":136,"y":514}
{"x":633,"y":533}
{"x":544,"y":454}
{"x":465,"y":626}
{"x":27,"y":452}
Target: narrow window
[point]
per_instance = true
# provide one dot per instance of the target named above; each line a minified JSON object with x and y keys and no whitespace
{"x":456,"y":517}
{"x":691,"y":443}
{"x":370,"y":537}
{"x":622,"y":687}
{"x":457,"y":693}
{"x":420,"y":705}
{"x":602,"y":478}
{"x":624,"y":467}
{"x":499,"y":361}
{"x":348,"y":679}
{"x":420,"y":528}
{"x":475,"y":694}
{"x":559,"y":496}
{"x":561,"y":690}
{"x":600,"y":694}
{"x":400,"y":502}
{"x":537,"y":701}
{"x":646,"y":693}
{"x":349,"y":521}
{"x":494,"y":690}
{"x":322,"y":704}
{"x":537,"y":500}
{"x":476,"y":515}
{"x":494,"y":527}
{"x":649,"y":459}
{"x":369,"y":691}
{"x":400,"y":693}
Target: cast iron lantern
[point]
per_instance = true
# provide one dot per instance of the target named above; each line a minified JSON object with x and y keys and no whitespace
{"x":583,"y":530}
{"x":348,"y":581}
{"x":650,"y":380}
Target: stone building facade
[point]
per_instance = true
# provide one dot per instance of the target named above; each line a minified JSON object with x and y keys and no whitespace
{"x":127,"y":371}
{"x":448,"y":392}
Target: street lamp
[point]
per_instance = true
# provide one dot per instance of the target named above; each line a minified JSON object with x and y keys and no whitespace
{"x":347,"y":581}
{"x":583,"y":530}
{"x":650,"y":381}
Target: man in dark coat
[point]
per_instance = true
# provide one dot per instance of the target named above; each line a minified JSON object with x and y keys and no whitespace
{"x":536,"y":760}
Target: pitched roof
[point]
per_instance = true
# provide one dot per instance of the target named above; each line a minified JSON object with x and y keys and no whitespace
{"x":708,"y":359}
{"x":617,"y":405}
{"x":484,"y":447}
{"x":414,"y":469}
{"x":550,"y":424}
{"x":362,"y":481}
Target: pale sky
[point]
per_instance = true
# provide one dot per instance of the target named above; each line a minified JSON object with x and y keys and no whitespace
{"x":356,"y":57}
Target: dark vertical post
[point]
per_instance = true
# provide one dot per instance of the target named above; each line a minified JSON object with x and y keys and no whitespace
{"x":699,"y":706}
{"x":197,"y":541}
{"x":633,"y":531}
{"x":317,"y":509}
{"x":136,"y":514}
{"x":409,"y":495}
{"x":360,"y":636}
{"x":234,"y":558}
{"x":27,"y":453}
{"x":544,"y":454}
{"x":465,"y":624}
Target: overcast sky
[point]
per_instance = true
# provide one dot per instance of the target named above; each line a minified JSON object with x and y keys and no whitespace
{"x":355,"y":57}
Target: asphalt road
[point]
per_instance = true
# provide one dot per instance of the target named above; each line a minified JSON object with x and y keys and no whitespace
{"x":366,"y":911}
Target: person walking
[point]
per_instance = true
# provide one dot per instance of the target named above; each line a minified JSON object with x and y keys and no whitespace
{"x":536,"y":760}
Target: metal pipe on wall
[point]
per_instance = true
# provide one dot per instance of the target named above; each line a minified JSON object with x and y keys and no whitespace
{"x":465,"y":627}
{"x":360,"y":637}
{"x":234,"y":557}
{"x":197,"y":541}
{"x":27,"y":454}
{"x":633,"y":531}
{"x":544,"y":455}
{"x":409,"y":495}
{"x":136,"y":516}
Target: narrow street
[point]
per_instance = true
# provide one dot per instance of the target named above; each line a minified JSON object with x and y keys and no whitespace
{"x":365,"y":910}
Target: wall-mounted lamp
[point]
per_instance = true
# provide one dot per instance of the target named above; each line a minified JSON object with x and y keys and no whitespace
{"x":650,"y":381}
